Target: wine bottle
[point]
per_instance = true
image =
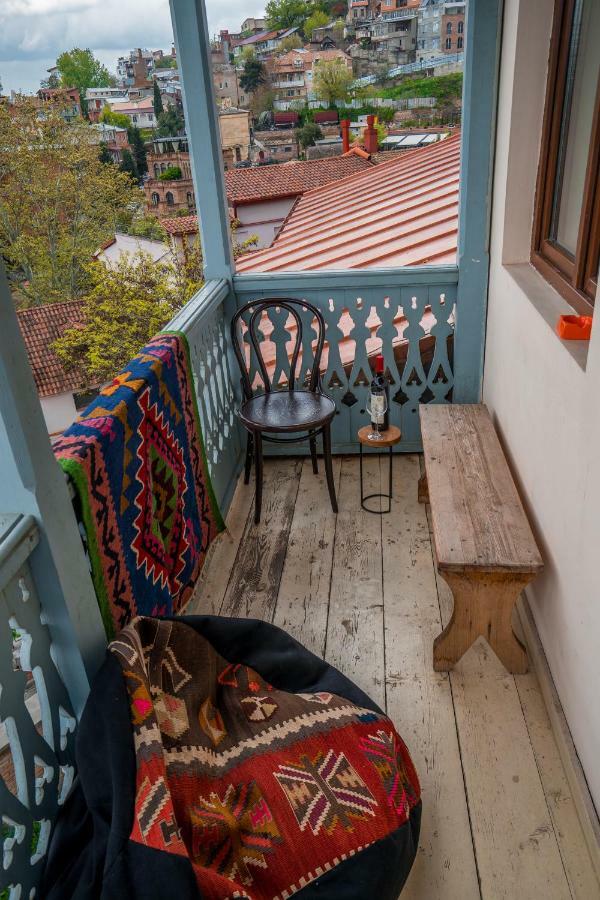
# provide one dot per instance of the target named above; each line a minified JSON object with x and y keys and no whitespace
{"x":379,"y":397}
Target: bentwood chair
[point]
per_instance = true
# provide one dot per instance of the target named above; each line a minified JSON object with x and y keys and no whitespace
{"x":300,"y":413}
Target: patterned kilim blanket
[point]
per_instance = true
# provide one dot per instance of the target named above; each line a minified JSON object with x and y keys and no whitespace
{"x":230,"y":784}
{"x":137,"y":461}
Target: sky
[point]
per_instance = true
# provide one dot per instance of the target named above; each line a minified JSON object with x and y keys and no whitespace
{"x":34,"y":32}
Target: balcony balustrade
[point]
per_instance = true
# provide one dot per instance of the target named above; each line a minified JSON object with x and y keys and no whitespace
{"x":427,"y":322}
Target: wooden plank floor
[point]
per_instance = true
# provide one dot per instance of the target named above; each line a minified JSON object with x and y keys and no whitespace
{"x":499,"y":822}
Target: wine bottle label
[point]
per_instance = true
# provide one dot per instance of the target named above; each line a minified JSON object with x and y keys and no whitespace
{"x":377,"y":408}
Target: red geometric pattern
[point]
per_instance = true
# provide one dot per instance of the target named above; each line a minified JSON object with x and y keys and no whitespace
{"x":259,"y":806}
{"x":137,"y":462}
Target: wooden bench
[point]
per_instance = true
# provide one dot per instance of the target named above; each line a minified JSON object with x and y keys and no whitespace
{"x":485,"y":549}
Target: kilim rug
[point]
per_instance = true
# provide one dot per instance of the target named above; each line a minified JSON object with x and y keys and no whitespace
{"x":137,"y":461}
{"x":220,"y":759}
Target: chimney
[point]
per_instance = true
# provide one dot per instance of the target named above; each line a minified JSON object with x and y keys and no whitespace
{"x":370,"y":136}
{"x":345,"y":125}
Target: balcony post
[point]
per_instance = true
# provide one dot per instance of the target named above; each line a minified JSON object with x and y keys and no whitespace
{"x":193,"y":55}
{"x":32,"y":483}
{"x":483,"y":38}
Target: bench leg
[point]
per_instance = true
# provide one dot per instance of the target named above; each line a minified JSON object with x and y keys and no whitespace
{"x":422,"y":489}
{"x":483,"y":605}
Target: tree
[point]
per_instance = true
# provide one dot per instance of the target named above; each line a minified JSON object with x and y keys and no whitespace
{"x":308,"y":134}
{"x":158,"y":104}
{"x":127,"y":303}
{"x":286,"y":13}
{"x":331,"y":81}
{"x":120,"y":120}
{"x":167,"y":62}
{"x":80,"y":68}
{"x":52,"y":81}
{"x":253,"y":76}
{"x":104,"y":154}
{"x":170,"y":123}
{"x":339,"y":27}
{"x":143,"y":225}
{"x":128,"y":165}
{"x":291,"y":42}
{"x":317,"y":20}
{"x":138,"y":149}
{"x":58,"y":202}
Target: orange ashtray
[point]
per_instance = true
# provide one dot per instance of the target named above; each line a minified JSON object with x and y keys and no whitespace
{"x":574,"y":328}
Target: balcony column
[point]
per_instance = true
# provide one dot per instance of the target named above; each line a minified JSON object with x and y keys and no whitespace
{"x":192,"y":41}
{"x":32,"y":483}
{"x":480,"y":89}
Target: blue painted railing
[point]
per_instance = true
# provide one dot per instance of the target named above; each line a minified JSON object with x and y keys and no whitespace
{"x":37,"y":722}
{"x":407,"y":315}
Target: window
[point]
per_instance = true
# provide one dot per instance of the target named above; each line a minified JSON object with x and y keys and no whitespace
{"x":461,"y":27}
{"x":156,"y":170}
{"x":134,"y":118}
{"x":448,"y":43}
{"x":169,"y":199}
{"x":459,"y":43}
{"x":155,"y":199}
{"x":449,"y":28}
{"x":189,"y":198}
{"x":566,"y":234}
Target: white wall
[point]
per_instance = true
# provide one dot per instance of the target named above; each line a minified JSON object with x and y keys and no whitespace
{"x":263,"y":219}
{"x":59,"y":412}
{"x":545,"y":394}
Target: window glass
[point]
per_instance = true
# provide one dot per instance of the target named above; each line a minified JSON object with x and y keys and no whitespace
{"x":576,"y":124}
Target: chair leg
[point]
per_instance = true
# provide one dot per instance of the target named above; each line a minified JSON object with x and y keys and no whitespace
{"x":248,"y":464}
{"x":329,"y":467}
{"x":258,"y":461}
{"x":313,"y":453}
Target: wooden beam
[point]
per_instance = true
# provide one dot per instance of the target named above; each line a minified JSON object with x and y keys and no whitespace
{"x":484,"y":28}
{"x":192,"y":41}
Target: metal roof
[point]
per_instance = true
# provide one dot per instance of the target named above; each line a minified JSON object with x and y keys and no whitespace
{"x":403,"y":212}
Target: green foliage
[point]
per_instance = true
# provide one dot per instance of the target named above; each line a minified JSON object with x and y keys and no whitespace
{"x":291,"y":42}
{"x":80,"y":68}
{"x":128,"y":165}
{"x":253,"y":76}
{"x":167,"y":62}
{"x":170,"y":123}
{"x":147,"y":227}
{"x":444,"y":88}
{"x":316,"y":20}
{"x":127,"y":304}
{"x":332,"y":81}
{"x":138,"y":149}
{"x":173,"y":173}
{"x":308,"y":134}
{"x":286,"y":13}
{"x":58,"y":202}
{"x":158,"y":104}
{"x":104,"y":154}
{"x":120,"y":120}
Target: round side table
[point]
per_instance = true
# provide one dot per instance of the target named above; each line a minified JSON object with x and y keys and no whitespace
{"x":388,"y":439}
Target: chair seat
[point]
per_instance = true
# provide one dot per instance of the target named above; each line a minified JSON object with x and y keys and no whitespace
{"x":287,"y":411}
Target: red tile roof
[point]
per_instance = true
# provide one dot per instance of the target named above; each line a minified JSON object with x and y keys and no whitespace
{"x":400,"y":213}
{"x":40,"y":327}
{"x":288,"y":179}
{"x":180,"y":225}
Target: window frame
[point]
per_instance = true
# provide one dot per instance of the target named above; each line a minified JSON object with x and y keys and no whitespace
{"x":574,"y":277}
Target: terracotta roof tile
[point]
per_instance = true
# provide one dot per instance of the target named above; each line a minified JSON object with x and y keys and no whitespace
{"x":40,"y":327}
{"x":180,"y":225}
{"x":403,"y":212}
{"x":288,"y":179}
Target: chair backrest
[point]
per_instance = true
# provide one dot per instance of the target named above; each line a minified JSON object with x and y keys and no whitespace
{"x":257,"y":308}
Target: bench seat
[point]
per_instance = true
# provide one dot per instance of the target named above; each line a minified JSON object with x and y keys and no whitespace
{"x":485,"y":548}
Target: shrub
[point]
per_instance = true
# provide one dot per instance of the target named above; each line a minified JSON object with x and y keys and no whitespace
{"x":173,"y":173}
